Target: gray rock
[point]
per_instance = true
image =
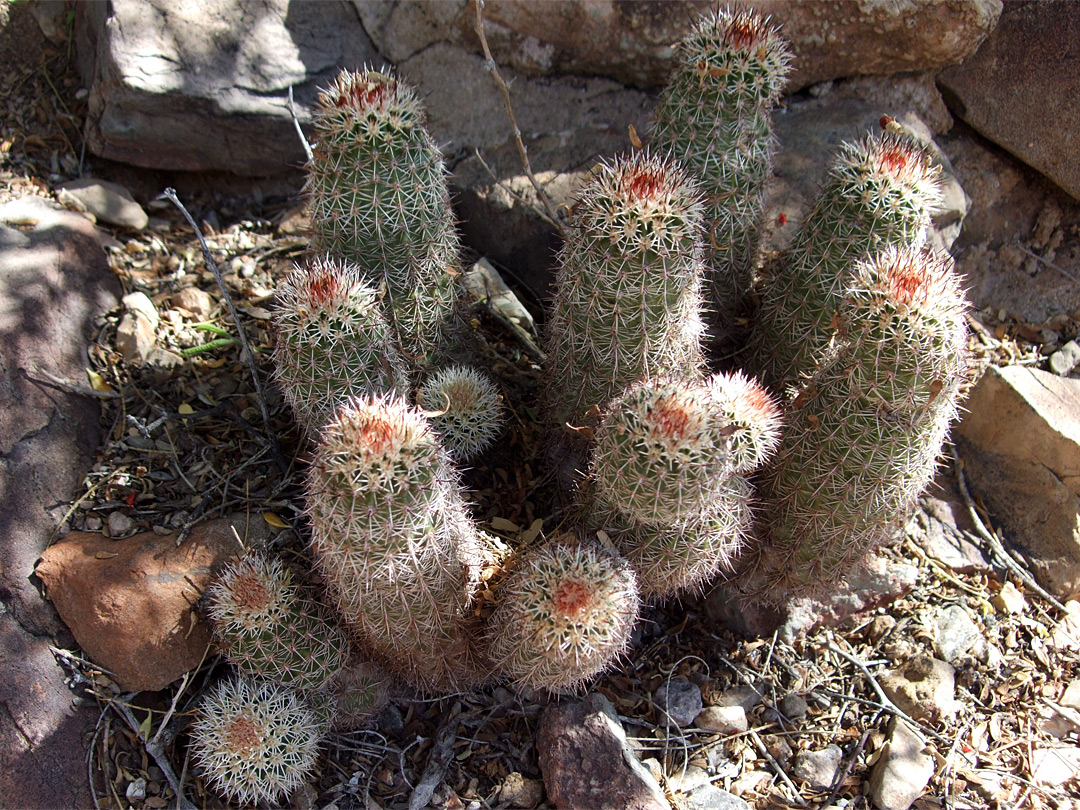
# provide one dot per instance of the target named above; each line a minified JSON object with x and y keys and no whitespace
{"x":688,"y":779}
{"x":1020,"y":443}
{"x":630,"y":42}
{"x":724,"y":720}
{"x":903,"y":770}
{"x":204,"y":87}
{"x":679,"y":700}
{"x":120,"y":525}
{"x":1066,"y":358}
{"x":924,"y":688}
{"x":817,"y":768}
{"x":108,"y":202}
{"x":941,"y":525}
{"x":54,"y":279}
{"x":587,"y":761}
{"x":1028,"y":57}
{"x":710,"y":797}
{"x":957,"y":635}
{"x":794,"y":707}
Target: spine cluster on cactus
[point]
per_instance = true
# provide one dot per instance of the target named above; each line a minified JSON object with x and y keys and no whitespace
{"x":358,"y":693}
{"x":465,"y":409}
{"x":880,"y":194}
{"x":668,"y":471}
{"x":333,"y":341}
{"x":866,"y":439}
{"x":715,"y":115}
{"x":269,"y":627}
{"x":393,"y":541}
{"x":628,"y":289}
{"x":379,"y":198}
{"x":565,"y":612}
{"x":255,"y":740}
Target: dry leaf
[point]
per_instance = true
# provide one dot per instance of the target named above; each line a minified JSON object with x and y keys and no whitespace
{"x":503,"y":525}
{"x":97,"y":382}
{"x":185,"y":409}
{"x":105,"y":555}
{"x":275,"y":521}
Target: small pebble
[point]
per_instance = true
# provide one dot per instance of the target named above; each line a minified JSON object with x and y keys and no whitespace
{"x":680,"y":699}
{"x":136,"y":791}
{"x":120,"y":525}
{"x":818,"y":768}
{"x":724,"y":720}
{"x":1065,"y":359}
{"x":710,"y":797}
{"x":794,"y":707}
{"x":93,"y":523}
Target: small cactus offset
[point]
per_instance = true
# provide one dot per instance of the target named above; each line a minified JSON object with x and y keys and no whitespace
{"x":379,"y":198}
{"x":668,"y":472}
{"x":866,"y":439}
{"x":715,"y":116}
{"x":564,"y":613}
{"x":269,"y":627}
{"x":464,"y":409}
{"x":333,"y":341}
{"x":255,"y":740}
{"x":358,"y":693}
{"x":393,"y":541}
{"x":880,"y":193}
{"x":628,"y":290}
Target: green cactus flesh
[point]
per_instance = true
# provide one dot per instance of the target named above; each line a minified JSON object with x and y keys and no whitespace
{"x":270,"y":627}
{"x":255,"y":740}
{"x":379,"y":198}
{"x":715,"y":117}
{"x":333,"y":341}
{"x":865,"y":441}
{"x":880,"y":193}
{"x":628,"y":288}
{"x":564,"y":613}
{"x":392,"y":539}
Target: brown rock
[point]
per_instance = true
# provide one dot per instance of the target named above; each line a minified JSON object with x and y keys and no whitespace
{"x":924,"y":688}
{"x":130,"y":603}
{"x":630,"y":42}
{"x":1031,"y":55}
{"x":1020,"y":442}
{"x":587,"y":762}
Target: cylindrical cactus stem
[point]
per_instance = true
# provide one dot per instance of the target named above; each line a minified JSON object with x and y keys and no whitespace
{"x":673,"y":558}
{"x":393,"y":541}
{"x":333,"y":341}
{"x":359,"y":692}
{"x":628,"y":288}
{"x":715,"y":116}
{"x":271,"y":627}
{"x":563,"y":614}
{"x":866,"y":438}
{"x":664,"y":448}
{"x":380,"y":198}
{"x":463,"y":406}
{"x":880,"y":193}
{"x":255,"y":741}
{"x":668,"y":475}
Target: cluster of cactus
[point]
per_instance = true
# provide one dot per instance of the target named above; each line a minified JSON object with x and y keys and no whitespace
{"x":682,"y":477}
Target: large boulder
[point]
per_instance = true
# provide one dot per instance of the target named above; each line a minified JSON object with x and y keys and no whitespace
{"x":1020,"y":443}
{"x":203,"y":86}
{"x":1022,"y":89}
{"x":631,"y":42}
{"x":54,"y":279}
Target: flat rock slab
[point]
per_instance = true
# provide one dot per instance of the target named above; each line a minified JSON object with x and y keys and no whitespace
{"x":1020,"y":443}
{"x":1030,"y":56}
{"x":54,"y":279}
{"x":131,"y":603}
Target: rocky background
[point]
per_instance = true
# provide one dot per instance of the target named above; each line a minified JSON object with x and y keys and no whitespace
{"x":110,"y":102}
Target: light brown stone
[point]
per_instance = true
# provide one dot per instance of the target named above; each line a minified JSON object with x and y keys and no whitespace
{"x":1020,"y":443}
{"x":131,"y":603}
